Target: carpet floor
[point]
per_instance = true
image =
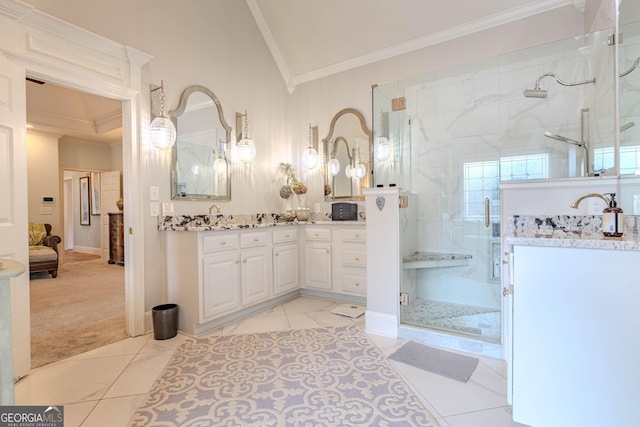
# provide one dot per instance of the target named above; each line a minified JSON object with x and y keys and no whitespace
{"x":308,"y":377}
{"x":80,"y":310}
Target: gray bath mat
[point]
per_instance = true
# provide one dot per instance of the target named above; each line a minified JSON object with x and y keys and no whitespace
{"x":441,"y":362}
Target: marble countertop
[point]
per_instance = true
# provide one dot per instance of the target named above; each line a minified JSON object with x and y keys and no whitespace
{"x":588,"y":243}
{"x":564,"y":231}
{"x":197,"y":226}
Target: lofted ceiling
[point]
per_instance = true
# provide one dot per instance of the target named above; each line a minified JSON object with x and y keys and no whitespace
{"x":308,"y":39}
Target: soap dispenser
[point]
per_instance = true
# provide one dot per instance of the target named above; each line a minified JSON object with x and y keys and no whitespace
{"x":612,"y":218}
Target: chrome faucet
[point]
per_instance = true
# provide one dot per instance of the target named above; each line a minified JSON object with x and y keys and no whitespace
{"x":586,"y":196}
{"x":218,"y":210}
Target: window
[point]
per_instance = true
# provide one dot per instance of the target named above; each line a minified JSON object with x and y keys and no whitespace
{"x":482,"y":179}
{"x":603,"y":158}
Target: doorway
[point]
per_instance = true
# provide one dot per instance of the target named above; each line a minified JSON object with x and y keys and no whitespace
{"x":81,"y":60}
{"x":83,"y":260}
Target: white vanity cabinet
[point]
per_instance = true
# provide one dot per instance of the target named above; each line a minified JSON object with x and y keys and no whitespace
{"x":213,"y":274}
{"x":317,"y":257}
{"x":349,"y":248}
{"x":236,"y":272}
{"x":576,"y":342}
{"x":285,"y":260}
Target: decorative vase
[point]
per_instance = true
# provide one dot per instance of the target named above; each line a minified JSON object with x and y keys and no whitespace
{"x":288,"y":204}
{"x":120,"y":204}
{"x":302,"y":200}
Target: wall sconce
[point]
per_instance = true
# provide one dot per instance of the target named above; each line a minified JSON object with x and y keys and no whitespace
{"x":333,"y":167}
{"x":358,"y":170}
{"x":246,"y":148}
{"x":310,"y":157}
{"x":381,"y":144}
{"x":220,"y":164}
{"x":162,"y":131}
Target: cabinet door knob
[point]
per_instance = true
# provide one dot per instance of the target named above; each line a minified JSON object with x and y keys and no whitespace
{"x":244,"y":260}
{"x":357,"y":284}
{"x":223,"y":243}
{"x":357,"y":259}
{"x":357,"y":236}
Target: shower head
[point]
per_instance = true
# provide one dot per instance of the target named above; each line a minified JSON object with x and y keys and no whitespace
{"x":536,"y":92}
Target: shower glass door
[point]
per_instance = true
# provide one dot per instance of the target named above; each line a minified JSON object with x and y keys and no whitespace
{"x":450,"y":235}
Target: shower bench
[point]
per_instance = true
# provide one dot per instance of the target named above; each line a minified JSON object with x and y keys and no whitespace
{"x":434,"y":259}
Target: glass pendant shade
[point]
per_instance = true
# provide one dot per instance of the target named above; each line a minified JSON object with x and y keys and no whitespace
{"x":333,"y":167}
{"x":220,"y":166}
{"x":359,"y":170}
{"x":310,"y":158}
{"x":348,"y":170}
{"x":246,"y":150}
{"x":163,"y":133}
{"x":382,"y":148}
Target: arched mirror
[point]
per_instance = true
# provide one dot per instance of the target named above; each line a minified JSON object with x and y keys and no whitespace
{"x":347,"y":156}
{"x":200,"y":169}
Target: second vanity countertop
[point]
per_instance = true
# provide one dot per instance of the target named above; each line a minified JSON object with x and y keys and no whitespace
{"x":564,"y":231}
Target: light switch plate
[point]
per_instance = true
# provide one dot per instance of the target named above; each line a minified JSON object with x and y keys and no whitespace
{"x":154,"y":193}
{"x":154,"y":208}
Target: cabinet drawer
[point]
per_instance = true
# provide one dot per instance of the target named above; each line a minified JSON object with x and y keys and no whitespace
{"x":354,"y":283}
{"x":254,"y":238}
{"x":219,"y":242}
{"x":354,"y":235}
{"x":312,"y":233}
{"x":354,"y":257}
{"x":289,"y":234}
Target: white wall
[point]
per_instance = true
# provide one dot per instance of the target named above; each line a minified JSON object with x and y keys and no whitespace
{"x":43,"y":179}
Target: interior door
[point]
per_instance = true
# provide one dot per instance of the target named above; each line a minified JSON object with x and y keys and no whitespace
{"x":109,"y":194}
{"x":13,"y":204}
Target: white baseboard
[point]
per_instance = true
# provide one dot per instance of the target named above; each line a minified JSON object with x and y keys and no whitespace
{"x":87,"y":250}
{"x":381,"y":324}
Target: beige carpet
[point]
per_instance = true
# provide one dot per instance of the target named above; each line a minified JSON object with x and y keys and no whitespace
{"x":310,"y":377}
{"x":81,"y":309}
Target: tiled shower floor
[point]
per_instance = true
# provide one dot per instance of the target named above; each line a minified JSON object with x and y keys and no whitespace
{"x":478,"y":322}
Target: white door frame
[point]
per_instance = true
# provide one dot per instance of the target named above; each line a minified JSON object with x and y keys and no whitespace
{"x":63,"y":54}
{"x":67,"y":216}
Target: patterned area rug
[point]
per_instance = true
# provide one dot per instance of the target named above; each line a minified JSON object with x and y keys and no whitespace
{"x":309,"y":377}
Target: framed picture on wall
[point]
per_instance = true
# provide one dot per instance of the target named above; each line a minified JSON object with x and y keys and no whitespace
{"x":95,"y":193}
{"x":85,"y":218}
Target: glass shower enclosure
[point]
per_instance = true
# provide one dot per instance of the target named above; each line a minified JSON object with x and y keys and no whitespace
{"x":453,"y":136}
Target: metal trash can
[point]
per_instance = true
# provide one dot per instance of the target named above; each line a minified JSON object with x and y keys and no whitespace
{"x":165,"y":321}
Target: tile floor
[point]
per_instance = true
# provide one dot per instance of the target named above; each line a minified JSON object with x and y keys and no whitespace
{"x":104,"y":386}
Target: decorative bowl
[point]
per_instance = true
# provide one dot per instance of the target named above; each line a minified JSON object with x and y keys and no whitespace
{"x":303,"y":214}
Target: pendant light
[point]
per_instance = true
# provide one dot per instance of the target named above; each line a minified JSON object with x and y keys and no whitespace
{"x":162,"y":130}
{"x":310,"y":157}
{"x":246,"y":148}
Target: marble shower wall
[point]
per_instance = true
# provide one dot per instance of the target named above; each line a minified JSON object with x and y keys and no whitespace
{"x":478,"y":113}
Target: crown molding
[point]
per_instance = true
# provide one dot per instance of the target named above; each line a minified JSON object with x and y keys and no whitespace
{"x":271,"y":42}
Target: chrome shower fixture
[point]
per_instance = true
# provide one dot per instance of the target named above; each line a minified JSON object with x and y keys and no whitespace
{"x":633,"y":67}
{"x":563,"y":139}
{"x":627,"y":126}
{"x":536,"y":92}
